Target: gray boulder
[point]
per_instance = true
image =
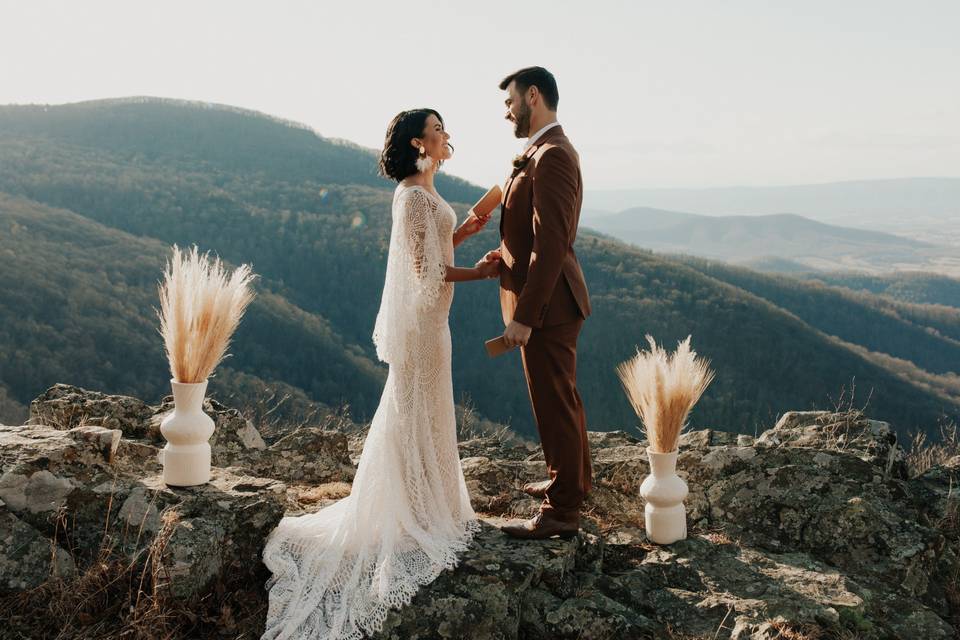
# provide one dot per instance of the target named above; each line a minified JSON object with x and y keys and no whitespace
{"x":811,"y":529}
{"x":808,"y":528}
{"x":64,"y":406}
{"x":65,"y":486}
{"x":308,"y":454}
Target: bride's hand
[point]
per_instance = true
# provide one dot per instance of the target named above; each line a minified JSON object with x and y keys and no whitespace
{"x":488,"y":268}
{"x":472,"y":225}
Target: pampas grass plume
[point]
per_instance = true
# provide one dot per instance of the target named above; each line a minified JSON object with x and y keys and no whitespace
{"x":200,"y":308}
{"x":663,"y":388}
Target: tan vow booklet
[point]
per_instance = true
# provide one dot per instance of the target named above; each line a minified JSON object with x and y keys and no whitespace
{"x":487,"y":203}
{"x":497,"y":347}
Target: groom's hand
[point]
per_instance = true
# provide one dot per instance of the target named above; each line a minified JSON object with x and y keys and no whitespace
{"x":517,"y":335}
{"x":491,"y":256}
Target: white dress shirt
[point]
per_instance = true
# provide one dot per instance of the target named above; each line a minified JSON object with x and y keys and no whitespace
{"x":532,"y":139}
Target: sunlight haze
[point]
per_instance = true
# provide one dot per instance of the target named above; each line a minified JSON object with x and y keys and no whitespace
{"x":690,"y":94}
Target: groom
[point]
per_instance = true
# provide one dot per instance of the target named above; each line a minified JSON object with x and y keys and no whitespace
{"x":543,"y":296}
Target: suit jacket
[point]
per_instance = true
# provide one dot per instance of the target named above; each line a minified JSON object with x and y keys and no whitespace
{"x":541,"y":283}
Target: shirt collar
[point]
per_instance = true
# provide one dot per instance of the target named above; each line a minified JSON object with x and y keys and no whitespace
{"x":532,"y":139}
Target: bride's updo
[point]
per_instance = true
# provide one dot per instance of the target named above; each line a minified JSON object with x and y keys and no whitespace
{"x":399,"y":158}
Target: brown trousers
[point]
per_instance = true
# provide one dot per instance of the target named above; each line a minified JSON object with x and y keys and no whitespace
{"x":550,"y":366}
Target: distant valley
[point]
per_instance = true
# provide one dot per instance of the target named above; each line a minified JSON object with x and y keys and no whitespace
{"x":925,"y":209}
{"x":779,"y":242}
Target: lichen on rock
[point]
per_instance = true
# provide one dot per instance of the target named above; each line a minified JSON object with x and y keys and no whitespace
{"x":812,"y":527}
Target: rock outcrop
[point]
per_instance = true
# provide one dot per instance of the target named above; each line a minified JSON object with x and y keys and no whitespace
{"x":812,"y":529}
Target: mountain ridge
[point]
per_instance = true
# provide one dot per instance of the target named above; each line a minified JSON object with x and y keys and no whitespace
{"x":322,"y":243}
{"x":785,"y":236}
{"x":750,"y":200}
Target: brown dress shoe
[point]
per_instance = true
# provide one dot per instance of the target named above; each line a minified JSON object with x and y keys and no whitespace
{"x":545,"y":524}
{"x":537,"y":489}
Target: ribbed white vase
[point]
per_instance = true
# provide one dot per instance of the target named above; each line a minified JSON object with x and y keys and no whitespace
{"x":664,"y":491}
{"x":187,"y":430}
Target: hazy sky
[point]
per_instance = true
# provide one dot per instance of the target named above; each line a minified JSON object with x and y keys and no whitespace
{"x":653,"y":94}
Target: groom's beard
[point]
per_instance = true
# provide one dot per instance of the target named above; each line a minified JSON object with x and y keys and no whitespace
{"x":521,"y":126}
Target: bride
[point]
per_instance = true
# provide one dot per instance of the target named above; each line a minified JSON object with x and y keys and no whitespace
{"x":336,"y":572}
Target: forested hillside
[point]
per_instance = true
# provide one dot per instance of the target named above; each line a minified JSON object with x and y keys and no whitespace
{"x":98,"y":192}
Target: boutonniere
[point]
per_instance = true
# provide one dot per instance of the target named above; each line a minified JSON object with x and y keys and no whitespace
{"x":520,"y":161}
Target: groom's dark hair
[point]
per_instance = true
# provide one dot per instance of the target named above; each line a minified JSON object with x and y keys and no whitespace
{"x":537,"y":77}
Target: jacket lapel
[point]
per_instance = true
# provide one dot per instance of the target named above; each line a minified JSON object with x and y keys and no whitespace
{"x":526,"y":154}
{"x":548,"y":136}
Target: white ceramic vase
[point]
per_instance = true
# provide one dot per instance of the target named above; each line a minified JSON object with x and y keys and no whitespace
{"x":187,"y":430}
{"x":664,"y":491}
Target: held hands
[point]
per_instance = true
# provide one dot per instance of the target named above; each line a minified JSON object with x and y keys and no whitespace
{"x":493,"y":254}
{"x":516,"y":334}
{"x":489,"y":265}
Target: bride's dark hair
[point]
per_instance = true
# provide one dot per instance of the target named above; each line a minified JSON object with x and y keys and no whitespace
{"x":399,"y":158}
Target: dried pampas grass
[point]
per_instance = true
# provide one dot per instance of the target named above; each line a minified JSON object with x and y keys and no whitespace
{"x":200,"y":309}
{"x":663,"y":388}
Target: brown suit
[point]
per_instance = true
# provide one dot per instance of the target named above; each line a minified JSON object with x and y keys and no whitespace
{"x":542,"y":286}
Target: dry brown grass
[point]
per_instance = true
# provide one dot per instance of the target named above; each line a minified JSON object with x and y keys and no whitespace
{"x":470,"y":425}
{"x":797,"y":631}
{"x":327,"y":491}
{"x":843,"y":427}
{"x":200,"y":308}
{"x":673,"y":634}
{"x":114,"y":596}
{"x":924,"y":454}
{"x":920,"y":458}
{"x":952,"y":592}
{"x":663,"y":388}
{"x":949,"y":525}
{"x":273,"y":417}
{"x":606,"y":522}
{"x":117,"y":595}
{"x":718,"y":538}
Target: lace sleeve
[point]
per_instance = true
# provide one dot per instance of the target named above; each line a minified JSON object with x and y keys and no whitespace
{"x":418,"y":215}
{"x":416,"y":272}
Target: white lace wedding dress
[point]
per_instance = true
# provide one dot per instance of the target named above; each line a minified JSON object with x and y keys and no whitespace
{"x":336,"y":572}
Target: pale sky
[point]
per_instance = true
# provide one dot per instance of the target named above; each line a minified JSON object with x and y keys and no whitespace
{"x":653,"y":94}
